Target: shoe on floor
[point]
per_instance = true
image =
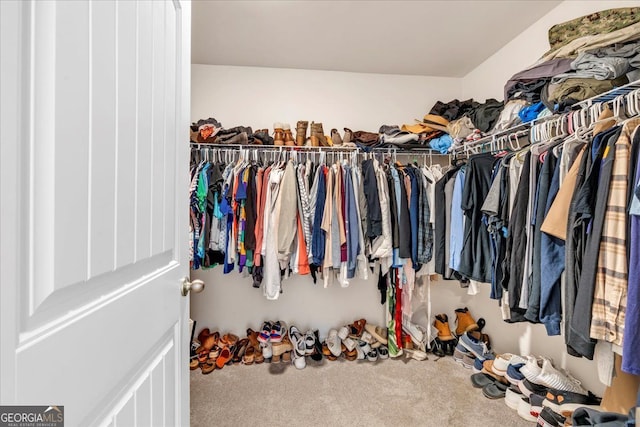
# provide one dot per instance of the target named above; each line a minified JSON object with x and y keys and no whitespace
{"x":383,"y":352}
{"x":333,"y":343}
{"x":468,"y":361}
{"x":278,"y":332}
{"x":459,"y":352}
{"x":442,"y":325}
{"x":481,"y":380}
{"x":472,"y":341}
{"x":513,"y":397}
{"x":548,"y":418}
{"x":464,"y":321}
{"x":527,"y":387}
{"x":265,"y":332}
{"x":513,"y":374}
{"x":496,"y":390}
{"x":524,"y":410}
{"x":536,"y":404}
{"x":532,"y":368}
{"x":554,"y":379}
{"x":379,"y":333}
{"x":565,"y":402}
{"x":502,"y":362}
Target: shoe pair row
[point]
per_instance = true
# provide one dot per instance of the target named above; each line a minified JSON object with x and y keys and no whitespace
{"x":214,"y":351}
{"x":532,"y":386}
{"x":357,"y":341}
{"x":464,"y":323}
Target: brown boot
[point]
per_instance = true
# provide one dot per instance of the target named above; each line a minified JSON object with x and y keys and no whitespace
{"x":442,"y":325}
{"x":301,"y":132}
{"x":464,"y":321}
{"x":288,"y":136}
{"x":278,"y":136}
{"x":336,"y":138}
{"x":317,"y":135}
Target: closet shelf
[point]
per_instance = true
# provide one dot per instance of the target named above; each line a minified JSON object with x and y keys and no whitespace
{"x":605,"y":97}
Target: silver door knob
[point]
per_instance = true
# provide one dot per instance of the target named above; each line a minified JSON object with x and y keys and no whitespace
{"x":195,"y":286}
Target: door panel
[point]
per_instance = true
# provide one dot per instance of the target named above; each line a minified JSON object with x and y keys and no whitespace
{"x":94,"y":167}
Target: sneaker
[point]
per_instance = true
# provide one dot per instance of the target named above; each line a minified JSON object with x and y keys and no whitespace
{"x":502,"y":362}
{"x":548,"y":418}
{"x":442,"y":325}
{"x":459,"y":352}
{"x":464,"y":321}
{"x":417,"y":333}
{"x":513,"y":374}
{"x":527,"y":387}
{"x":553,"y":378}
{"x":565,"y":402}
{"x":265,"y":332}
{"x":278,"y":332}
{"x":477,"y":366}
{"x":513,"y":397}
{"x":532,"y":368}
{"x":475,"y":345}
{"x":524,"y":410}
{"x":536,"y":404}
{"x":468,"y":361}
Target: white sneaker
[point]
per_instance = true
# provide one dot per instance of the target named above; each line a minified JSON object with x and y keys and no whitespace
{"x":553,"y":378}
{"x":524,"y":410}
{"x":531,"y":369}
{"x":512,"y":399}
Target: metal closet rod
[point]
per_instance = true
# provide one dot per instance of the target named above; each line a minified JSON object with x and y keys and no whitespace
{"x":304,"y":148}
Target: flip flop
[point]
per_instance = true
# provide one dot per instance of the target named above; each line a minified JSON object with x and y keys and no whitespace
{"x":481,"y":380}
{"x":495,"y":390}
{"x":356,"y":328}
{"x":225,"y":356}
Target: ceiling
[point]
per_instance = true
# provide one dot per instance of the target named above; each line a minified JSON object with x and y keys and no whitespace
{"x":429,"y":38}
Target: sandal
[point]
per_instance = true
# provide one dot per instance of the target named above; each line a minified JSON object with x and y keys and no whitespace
{"x":327,"y":353}
{"x":356,"y":328}
{"x":281,"y":348}
{"x":249,"y":355}
{"x":265,"y":333}
{"x":225,"y":356}
{"x":241,"y":347}
{"x":252,"y":336}
{"x":214,"y":353}
{"x":207,"y":368}
{"x":228,"y":340}
{"x":194,"y":364}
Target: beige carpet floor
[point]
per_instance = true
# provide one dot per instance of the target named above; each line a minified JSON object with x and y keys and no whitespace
{"x":385,"y":393}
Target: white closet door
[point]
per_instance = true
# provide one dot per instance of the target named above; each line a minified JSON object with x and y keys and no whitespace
{"x":94,"y":162}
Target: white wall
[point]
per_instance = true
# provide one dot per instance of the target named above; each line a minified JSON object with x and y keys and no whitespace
{"x":488,"y":79}
{"x":261,"y":96}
